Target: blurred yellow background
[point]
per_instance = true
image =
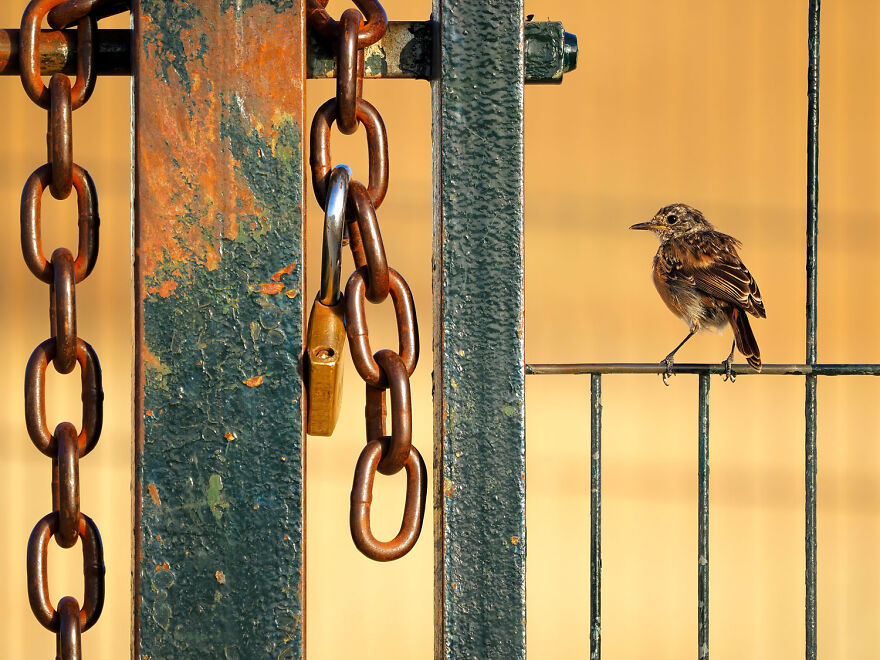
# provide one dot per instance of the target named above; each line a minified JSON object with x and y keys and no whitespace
{"x":703,"y":103}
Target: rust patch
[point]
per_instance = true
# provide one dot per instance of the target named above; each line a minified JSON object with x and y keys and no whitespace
{"x":221,"y":577}
{"x":229,"y":436}
{"x":287,"y":270}
{"x":189,"y":229}
{"x":514,"y":540}
{"x":165,"y":289}
{"x":154,"y":494}
{"x":163,"y":567}
{"x":448,"y":488}
{"x":269,"y":288}
{"x":149,"y":358}
{"x":291,"y":293}
{"x":256,"y":381}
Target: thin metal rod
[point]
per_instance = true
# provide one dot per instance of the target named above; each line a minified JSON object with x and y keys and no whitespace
{"x":810,"y":456}
{"x":810,"y":469}
{"x":812,"y":181}
{"x":595,"y":516}
{"x":703,"y":523}
{"x":685,"y":368}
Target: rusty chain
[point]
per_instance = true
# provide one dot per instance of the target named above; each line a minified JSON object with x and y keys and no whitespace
{"x":62,"y":272}
{"x":373,"y":280}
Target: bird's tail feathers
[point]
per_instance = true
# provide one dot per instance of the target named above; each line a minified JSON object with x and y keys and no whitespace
{"x":745,"y":339}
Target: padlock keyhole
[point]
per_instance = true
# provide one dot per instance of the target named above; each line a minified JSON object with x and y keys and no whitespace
{"x":324,"y":353}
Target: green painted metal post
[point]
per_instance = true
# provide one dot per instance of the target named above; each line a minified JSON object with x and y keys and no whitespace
{"x":219,"y":566}
{"x":479,"y":474}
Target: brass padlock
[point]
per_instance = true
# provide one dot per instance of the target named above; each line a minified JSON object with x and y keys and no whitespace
{"x":326,"y":342}
{"x":326,"y":330}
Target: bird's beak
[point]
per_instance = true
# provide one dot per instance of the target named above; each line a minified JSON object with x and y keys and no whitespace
{"x":644,"y":225}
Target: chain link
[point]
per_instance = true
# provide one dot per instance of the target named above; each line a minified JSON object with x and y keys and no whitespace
{"x":66,"y":523}
{"x":377,"y":149}
{"x":373,"y":280}
{"x":369,"y":33}
{"x":359,"y":334}
{"x":29,"y":55}
{"x":31,"y":223}
{"x":349,"y":71}
{"x":59,"y":136}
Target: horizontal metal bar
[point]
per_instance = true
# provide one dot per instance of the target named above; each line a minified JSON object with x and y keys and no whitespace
{"x":58,"y":52}
{"x":406,"y":52}
{"x":737,"y":369}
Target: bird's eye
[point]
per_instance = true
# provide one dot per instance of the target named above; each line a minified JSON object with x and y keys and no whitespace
{"x":671,"y":219}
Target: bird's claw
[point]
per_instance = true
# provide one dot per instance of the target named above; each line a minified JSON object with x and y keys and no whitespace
{"x":728,"y":372}
{"x":667,"y":362}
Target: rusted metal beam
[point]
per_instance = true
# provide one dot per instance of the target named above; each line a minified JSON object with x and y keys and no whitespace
{"x":406,"y":51}
{"x":219,"y":436}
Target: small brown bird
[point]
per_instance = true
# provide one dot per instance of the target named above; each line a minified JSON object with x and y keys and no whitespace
{"x":701,"y":279}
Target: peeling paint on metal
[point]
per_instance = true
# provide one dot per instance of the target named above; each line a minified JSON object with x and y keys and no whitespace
{"x":219,"y":184}
{"x":407,"y":51}
{"x":154,"y":494}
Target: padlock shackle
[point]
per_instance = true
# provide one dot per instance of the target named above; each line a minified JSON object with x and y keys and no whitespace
{"x":334,"y":226}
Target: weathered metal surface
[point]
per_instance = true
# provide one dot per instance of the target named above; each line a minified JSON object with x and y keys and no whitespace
{"x":688,"y":368}
{"x":595,"y":516}
{"x":810,"y":457}
{"x":479,"y":475}
{"x":703,"y":520}
{"x":550,"y":52}
{"x":405,"y":52}
{"x":58,"y":52}
{"x":219,"y":567}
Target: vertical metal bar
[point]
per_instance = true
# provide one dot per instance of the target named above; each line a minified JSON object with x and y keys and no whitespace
{"x":479,"y":476}
{"x":812,"y":180}
{"x":703,"y":522}
{"x":811,"y":466}
{"x":219,"y":500}
{"x":810,"y":518}
{"x":595,"y":516}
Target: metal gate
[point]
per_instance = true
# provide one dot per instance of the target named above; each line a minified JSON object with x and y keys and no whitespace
{"x":811,"y":369}
{"x":218,"y":127}
{"x":219,"y":206}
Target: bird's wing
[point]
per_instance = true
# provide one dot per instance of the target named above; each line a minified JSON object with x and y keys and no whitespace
{"x":669,"y":265}
{"x":717,"y":270}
